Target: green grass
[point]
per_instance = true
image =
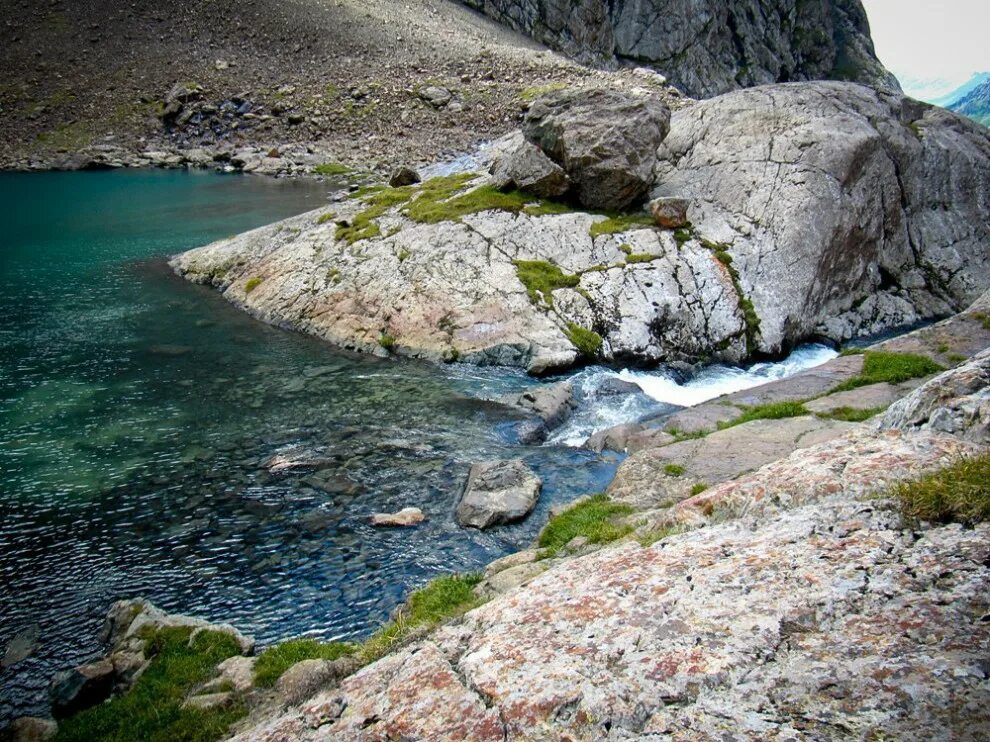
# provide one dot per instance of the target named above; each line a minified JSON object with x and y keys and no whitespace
{"x":751,"y":319}
{"x":328,"y":217}
{"x":591,"y":519}
{"x":648,"y":538}
{"x":152,"y":711}
{"x":386,"y":341}
{"x":769,"y":411}
{"x":983,"y":319}
{"x":674,"y":470}
{"x":617,"y":223}
{"x":959,"y":493}
{"x":428,"y":209}
{"x":362,"y":226}
{"x":852,"y":414}
{"x":546,"y":208}
{"x":892,"y":368}
{"x":681,"y":435}
{"x":252,"y":283}
{"x":587,"y":341}
{"x":331,"y":168}
{"x":683,"y":235}
{"x":698,"y":488}
{"x":443,"y":598}
{"x":541,"y":278}
{"x":274,"y":661}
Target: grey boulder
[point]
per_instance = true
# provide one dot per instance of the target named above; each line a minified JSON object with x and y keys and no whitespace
{"x":525,"y":167}
{"x":498,"y":492}
{"x":606,"y":142}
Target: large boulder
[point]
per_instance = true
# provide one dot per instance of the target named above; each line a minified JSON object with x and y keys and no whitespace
{"x":525,"y":167}
{"x":843,"y":211}
{"x":498,"y":492}
{"x":708,"y":47}
{"x":606,"y":142}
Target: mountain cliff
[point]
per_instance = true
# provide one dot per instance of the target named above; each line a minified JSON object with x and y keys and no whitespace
{"x":707,"y":48}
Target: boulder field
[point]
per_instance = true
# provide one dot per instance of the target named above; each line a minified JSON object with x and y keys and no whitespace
{"x":817,"y":210}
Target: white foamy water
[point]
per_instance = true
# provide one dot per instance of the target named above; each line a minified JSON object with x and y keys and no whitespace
{"x":662,"y":392}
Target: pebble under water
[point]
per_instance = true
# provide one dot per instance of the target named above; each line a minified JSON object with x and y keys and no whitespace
{"x":137,"y":413}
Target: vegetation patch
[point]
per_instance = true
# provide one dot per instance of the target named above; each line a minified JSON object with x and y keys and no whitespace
{"x":751,"y":319}
{"x":634,"y":258}
{"x":428,"y":209}
{"x":332,"y":168}
{"x":983,"y":319}
{"x":274,"y":661}
{"x":152,"y":710}
{"x":892,"y":368}
{"x":587,"y":341}
{"x":959,"y":493}
{"x":852,"y":414}
{"x":535,"y":91}
{"x":541,"y":279}
{"x":443,"y":598}
{"x":547,"y":208}
{"x":361,"y":227}
{"x":698,"y":488}
{"x":327,"y":217}
{"x":648,"y":538}
{"x":681,"y":435}
{"x":674,"y":470}
{"x":592,"y":519}
{"x":769,"y":411}
{"x":252,"y":283}
{"x":386,"y":341}
{"x":616,"y":223}
{"x":683,"y":235}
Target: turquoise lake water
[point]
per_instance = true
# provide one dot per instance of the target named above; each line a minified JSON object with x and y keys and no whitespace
{"x":137,"y":413}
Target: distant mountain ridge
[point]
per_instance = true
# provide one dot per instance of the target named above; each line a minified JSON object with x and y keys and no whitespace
{"x":976,"y":103}
{"x":955,"y":96}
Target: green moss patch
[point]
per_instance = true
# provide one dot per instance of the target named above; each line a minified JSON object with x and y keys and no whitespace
{"x":252,"y":284}
{"x":959,"y":493}
{"x":535,"y":91}
{"x":430,"y":209}
{"x":634,"y":258}
{"x":362,"y":226}
{"x":892,"y":368}
{"x":331,"y":168}
{"x":541,"y":279}
{"x":152,"y":710}
{"x":852,"y":414}
{"x":616,"y":223}
{"x":769,"y":411}
{"x":274,"y":661}
{"x":587,"y":341}
{"x":592,"y":519}
{"x":674,"y":470}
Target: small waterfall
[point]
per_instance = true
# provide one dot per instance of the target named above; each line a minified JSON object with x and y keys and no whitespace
{"x":605,"y":398}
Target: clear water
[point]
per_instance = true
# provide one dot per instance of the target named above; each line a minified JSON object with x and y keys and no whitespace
{"x":137,"y":413}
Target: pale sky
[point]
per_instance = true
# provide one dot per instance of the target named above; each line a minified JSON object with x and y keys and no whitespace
{"x":932,"y":47}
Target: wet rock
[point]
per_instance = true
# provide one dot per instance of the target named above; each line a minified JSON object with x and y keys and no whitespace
{"x":498,"y":492}
{"x":526,"y":168}
{"x":606,"y":142}
{"x":295,"y":460}
{"x":630,"y":437}
{"x":615,"y":387}
{"x":670,"y":213}
{"x":403,"y":176}
{"x":80,"y":688}
{"x":402,"y":519}
{"x":552,"y":404}
{"x":32,"y":729}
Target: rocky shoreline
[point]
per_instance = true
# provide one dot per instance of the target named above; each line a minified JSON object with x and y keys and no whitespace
{"x":788,"y":566}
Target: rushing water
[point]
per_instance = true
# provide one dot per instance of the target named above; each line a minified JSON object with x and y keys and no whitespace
{"x":137,"y":413}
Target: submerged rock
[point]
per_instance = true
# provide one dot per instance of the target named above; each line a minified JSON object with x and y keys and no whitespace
{"x":498,"y":492}
{"x":81,"y":688}
{"x":550,"y":405}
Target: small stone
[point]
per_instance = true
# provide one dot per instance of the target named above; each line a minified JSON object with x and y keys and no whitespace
{"x":670,"y":213}
{"x":403,"y":176}
{"x":404,"y":518}
{"x":436,"y":96}
{"x":498,"y":492}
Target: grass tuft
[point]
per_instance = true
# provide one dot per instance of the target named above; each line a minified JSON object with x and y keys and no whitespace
{"x":617,"y":223}
{"x":331,"y":168}
{"x":698,"y":488}
{"x":274,"y":661}
{"x":386,"y":341}
{"x":674,"y":470}
{"x":587,"y":341}
{"x":892,"y":368}
{"x":252,"y":284}
{"x":152,"y":710}
{"x":852,"y":414}
{"x":959,"y":493}
{"x":591,"y":519}
{"x":443,"y":598}
{"x":541,"y":279}
{"x":769,"y":411}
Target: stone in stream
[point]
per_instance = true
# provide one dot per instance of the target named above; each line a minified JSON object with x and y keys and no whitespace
{"x":606,"y":142}
{"x":81,"y":688}
{"x":20,"y":647}
{"x":550,"y":405}
{"x":402,"y":519}
{"x":498,"y":492}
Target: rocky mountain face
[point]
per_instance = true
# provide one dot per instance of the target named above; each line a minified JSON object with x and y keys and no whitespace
{"x":817,"y":210}
{"x":708,"y":47}
{"x":975,"y":104}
